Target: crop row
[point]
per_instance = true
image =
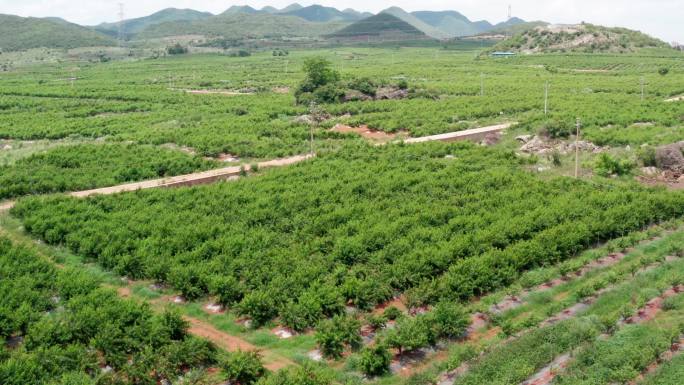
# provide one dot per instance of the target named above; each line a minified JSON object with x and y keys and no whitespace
{"x":145,"y":101}
{"x":88,"y":166}
{"x":441,"y":221}
{"x":58,"y":327}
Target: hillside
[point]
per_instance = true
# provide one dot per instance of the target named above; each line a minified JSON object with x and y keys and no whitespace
{"x":241,"y":25}
{"x":321,"y":14}
{"x":453,"y":23}
{"x":20,"y":33}
{"x":509,"y":29}
{"x":134,"y":26}
{"x":380,"y":25}
{"x":578,"y":38}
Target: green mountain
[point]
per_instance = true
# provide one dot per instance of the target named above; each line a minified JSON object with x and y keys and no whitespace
{"x":243,"y":25}
{"x":291,"y":7}
{"x":269,"y":9}
{"x":321,"y":14}
{"x":244,"y":9}
{"x":357,"y":14}
{"x":578,"y":38}
{"x":380,"y":25}
{"x":416,"y":23}
{"x":20,"y":33}
{"x":453,"y":23}
{"x":135,"y":26}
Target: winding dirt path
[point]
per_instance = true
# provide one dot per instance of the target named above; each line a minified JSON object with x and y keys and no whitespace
{"x":227,"y":342}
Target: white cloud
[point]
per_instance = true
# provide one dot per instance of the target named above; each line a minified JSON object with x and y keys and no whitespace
{"x":661,"y":18}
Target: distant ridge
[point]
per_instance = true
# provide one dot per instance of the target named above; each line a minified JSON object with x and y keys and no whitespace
{"x":379,"y":26}
{"x":452,"y":23}
{"x":416,"y":23}
{"x":135,"y":26}
{"x":235,"y":9}
{"x":21,"y":33}
{"x":321,"y":14}
{"x":294,"y":21}
{"x":243,"y":25}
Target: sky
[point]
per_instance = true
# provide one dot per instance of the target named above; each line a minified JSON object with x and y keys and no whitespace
{"x":660,"y":18}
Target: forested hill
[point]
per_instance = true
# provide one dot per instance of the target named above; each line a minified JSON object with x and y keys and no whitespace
{"x":240,"y":25}
{"x":579,"y":38}
{"x":20,"y":33}
{"x":381,"y":24}
{"x":134,"y":26}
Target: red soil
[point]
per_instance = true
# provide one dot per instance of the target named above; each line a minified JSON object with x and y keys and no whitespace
{"x":366,"y":132}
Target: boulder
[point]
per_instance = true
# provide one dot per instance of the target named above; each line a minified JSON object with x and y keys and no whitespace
{"x":389,"y":93}
{"x":649,"y":171}
{"x":670,"y":157}
{"x":524,"y":138}
{"x":535,"y":145}
{"x":354,"y":95}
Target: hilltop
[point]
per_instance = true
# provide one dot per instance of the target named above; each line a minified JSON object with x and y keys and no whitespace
{"x":21,"y":33}
{"x":380,"y":25}
{"x":242,"y":25}
{"x":452,"y":23}
{"x":321,"y":14}
{"x":135,"y":26}
{"x":578,"y":38}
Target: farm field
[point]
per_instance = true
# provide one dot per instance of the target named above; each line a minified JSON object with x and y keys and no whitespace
{"x":396,"y":264}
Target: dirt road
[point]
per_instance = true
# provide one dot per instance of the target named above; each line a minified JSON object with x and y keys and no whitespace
{"x":230,"y":343}
{"x":190,"y":179}
{"x":6,"y":205}
{"x":475,"y":133}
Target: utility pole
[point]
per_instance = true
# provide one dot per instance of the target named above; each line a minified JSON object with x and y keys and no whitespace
{"x":481,"y":84}
{"x":643,"y":86}
{"x":121,"y":24}
{"x":546,"y":98}
{"x":315,"y":114}
{"x":577,"y":137}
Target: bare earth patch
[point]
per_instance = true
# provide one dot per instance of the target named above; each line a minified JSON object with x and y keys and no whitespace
{"x":367,"y":133}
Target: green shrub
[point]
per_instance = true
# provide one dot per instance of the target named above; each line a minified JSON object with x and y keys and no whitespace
{"x":392,"y":313}
{"x":334,"y":334}
{"x":606,"y":165}
{"x":557,"y":128}
{"x":176,"y":49}
{"x":647,"y":156}
{"x":375,"y":360}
